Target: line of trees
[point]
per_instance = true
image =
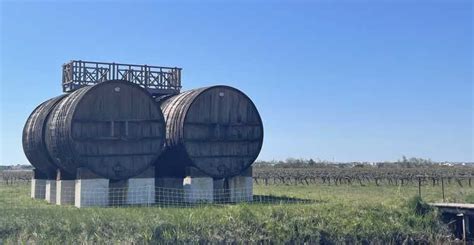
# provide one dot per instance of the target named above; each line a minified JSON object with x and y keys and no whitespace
{"x":404,"y":162}
{"x":15,"y":167}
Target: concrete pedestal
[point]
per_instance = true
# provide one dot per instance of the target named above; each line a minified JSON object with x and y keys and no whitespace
{"x":65,"y":190}
{"x":91,"y":192}
{"x":50,"y":193}
{"x":38,"y":188}
{"x":141,"y":191}
{"x":241,"y":186}
{"x":198,"y":189}
{"x":234,"y":189}
{"x":241,"y":189}
{"x":38,"y":184}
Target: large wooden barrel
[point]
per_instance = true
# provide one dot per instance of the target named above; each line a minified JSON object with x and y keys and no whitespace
{"x":33,"y":138}
{"x":216,"y":129}
{"x":114,"y":128}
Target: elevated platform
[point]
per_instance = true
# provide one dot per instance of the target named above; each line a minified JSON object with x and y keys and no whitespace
{"x":158,"y":80}
{"x":455,"y":208}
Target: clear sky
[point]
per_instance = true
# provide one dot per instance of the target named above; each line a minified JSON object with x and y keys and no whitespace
{"x":343,"y":80}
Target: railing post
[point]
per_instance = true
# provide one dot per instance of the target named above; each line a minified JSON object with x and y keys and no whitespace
{"x":97,"y":72}
{"x":82,"y":72}
{"x":419,"y":186}
{"x":64,"y":76}
{"x":179,"y":79}
{"x":113,"y":71}
{"x":108,"y":72}
{"x":78,"y":72}
{"x":146,"y":77}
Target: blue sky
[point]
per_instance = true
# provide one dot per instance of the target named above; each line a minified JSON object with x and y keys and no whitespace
{"x":342,"y":80}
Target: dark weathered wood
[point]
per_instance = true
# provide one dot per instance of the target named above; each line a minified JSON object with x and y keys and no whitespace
{"x":157,"y":80}
{"x":114,"y":128}
{"x":215,"y":129}
{"x":33,"y":138}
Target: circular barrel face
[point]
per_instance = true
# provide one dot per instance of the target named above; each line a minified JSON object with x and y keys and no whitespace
{"x":114,"y":128}
{"x":218,"y":127}
{"x":33,"y":137}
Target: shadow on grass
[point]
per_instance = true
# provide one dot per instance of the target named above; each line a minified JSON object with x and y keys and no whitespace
{"x":256,"y":200}
{"x":269,"y":199}
{"x":17,"y":197}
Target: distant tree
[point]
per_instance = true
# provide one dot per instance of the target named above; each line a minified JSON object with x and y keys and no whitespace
{"x":262,"y":163}
{"x":413,"y":162}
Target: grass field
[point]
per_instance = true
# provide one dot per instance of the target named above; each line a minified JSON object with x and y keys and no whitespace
{"x":339,"y":214}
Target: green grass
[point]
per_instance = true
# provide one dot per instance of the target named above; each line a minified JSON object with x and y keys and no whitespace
{"x":340,"y":214}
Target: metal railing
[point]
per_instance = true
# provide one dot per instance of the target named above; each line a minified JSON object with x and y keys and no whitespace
{"x":156,"y":79}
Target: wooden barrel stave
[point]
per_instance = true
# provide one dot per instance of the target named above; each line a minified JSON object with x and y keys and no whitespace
{"x":114,"y":128}
{"x":33,"y":137}
{"x":218,"y":129}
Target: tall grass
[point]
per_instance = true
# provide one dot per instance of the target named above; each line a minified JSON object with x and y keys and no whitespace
{"x":340,"y":214}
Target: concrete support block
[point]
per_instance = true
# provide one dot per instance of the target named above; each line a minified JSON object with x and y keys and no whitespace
{"x":38,"y":188}
{"x":241,"y":189}
{"x":50,"y":193}
{"x":141,"y":191}
{"x":65,"y":190}
{"x":198,"y":189}
{"x":91,"y":193}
